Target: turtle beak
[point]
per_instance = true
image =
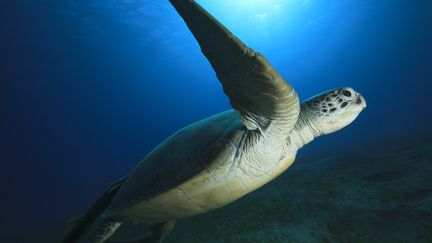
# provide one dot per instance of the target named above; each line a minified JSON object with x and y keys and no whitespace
{"x":361,"y":101}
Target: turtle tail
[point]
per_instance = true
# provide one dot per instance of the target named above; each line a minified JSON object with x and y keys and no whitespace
{"x":77,"y":227}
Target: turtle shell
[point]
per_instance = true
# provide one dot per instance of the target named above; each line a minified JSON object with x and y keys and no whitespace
{"x":180,"y":157}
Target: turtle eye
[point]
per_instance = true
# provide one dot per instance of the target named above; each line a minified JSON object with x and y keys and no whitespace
{"x":346,"y":93}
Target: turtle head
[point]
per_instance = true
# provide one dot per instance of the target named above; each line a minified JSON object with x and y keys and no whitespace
{"x":328,"y":112}
{"x":334,"y":109}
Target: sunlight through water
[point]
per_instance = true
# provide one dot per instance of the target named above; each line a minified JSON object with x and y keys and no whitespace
{"x":259,"y":20}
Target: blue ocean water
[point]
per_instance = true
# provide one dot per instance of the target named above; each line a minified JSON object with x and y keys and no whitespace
{"x":89,"y":87}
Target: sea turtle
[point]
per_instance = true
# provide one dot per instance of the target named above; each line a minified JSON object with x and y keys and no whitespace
{"x":218,"y":160}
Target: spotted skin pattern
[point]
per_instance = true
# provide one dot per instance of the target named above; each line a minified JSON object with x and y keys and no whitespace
{"x":330,"y":102}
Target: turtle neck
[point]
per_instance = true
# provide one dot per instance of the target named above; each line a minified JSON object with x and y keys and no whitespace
{"x":305,"y":130}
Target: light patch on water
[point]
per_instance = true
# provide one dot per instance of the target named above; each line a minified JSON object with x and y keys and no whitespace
{"x":261,"y":16}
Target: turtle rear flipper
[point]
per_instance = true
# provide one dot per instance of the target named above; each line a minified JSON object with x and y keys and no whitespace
{"x":77,"y":226}
{"x":157,"y":234}
{"x":104,"y":229}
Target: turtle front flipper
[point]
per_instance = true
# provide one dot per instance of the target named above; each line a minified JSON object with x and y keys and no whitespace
{"x":266,"y":102}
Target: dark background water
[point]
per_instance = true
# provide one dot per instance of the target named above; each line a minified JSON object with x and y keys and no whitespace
{"x":89,"y":87}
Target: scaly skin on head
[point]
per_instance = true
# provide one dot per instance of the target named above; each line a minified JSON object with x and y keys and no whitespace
{"x":326,"y":113}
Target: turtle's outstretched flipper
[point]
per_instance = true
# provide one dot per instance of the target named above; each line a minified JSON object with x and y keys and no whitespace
{"x":266,"y":102}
